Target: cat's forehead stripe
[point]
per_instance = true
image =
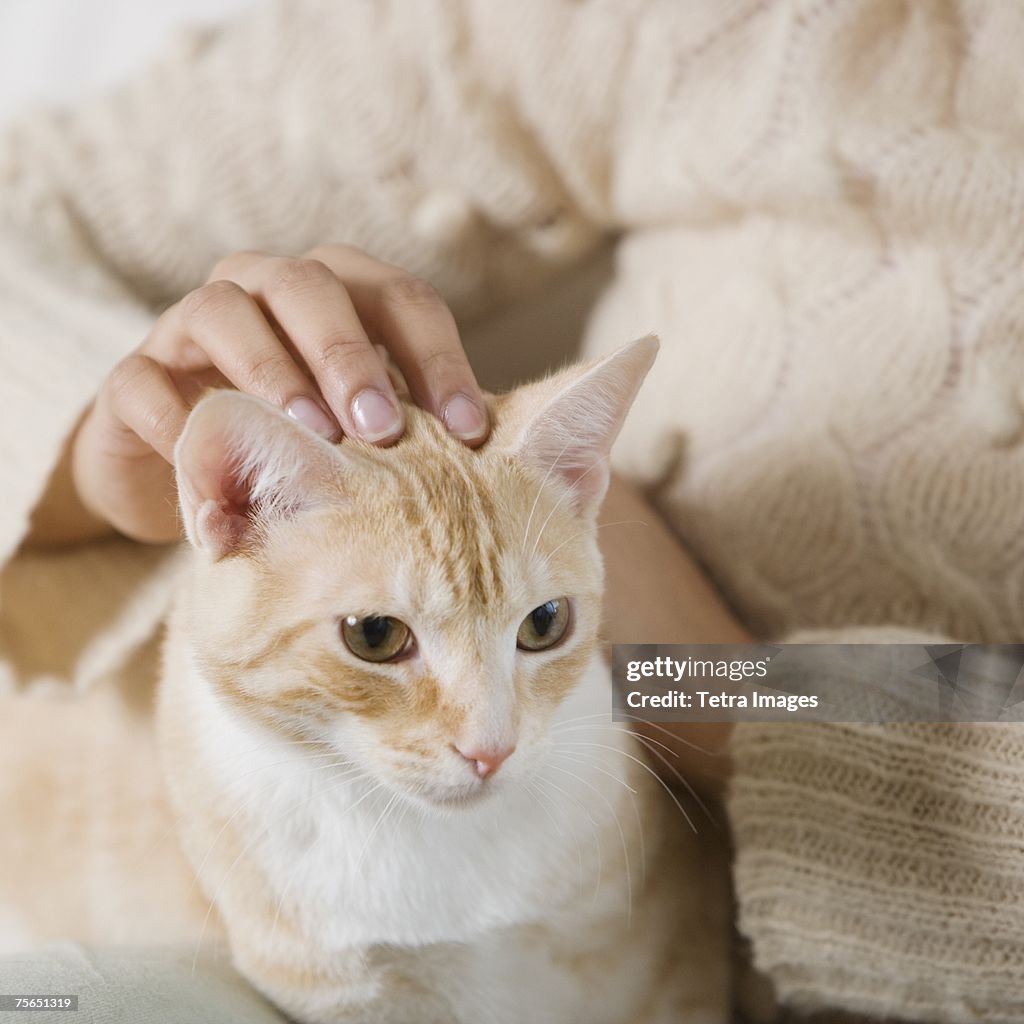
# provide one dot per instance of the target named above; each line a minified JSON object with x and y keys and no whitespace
{"x":456,"y":521}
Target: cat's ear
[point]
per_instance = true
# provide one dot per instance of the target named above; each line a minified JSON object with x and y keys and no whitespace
{"x":239,"y":463}
{"x":573,"y":418}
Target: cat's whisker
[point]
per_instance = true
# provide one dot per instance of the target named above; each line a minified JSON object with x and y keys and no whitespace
{"x":583,"y":760}
{"x":548,"y":555}
{"x":232,"y":759}
{"x":373,"y":832}
{"x":580,"y":718}
{"x":543,"y":484}
{"x":666,"y":732}
{"x":275,"y":741}
{"x":559,"y":827}
{"x":642,"y":738}
{"x":646,"y":768}
{"x":405,"y":808}
{"x":647,"y":742}
{"x":683,"y":781}
{"x":618,"y":825}
{"x":617,"y":727}
{"x":558,"y":504}
{"x":259,"y":835}
{"x":651,"y":725}
{"x":593,"y":826}
{"x":597,"y":768}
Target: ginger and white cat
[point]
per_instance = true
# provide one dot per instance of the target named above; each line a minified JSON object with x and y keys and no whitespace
{"x":385,"y":729}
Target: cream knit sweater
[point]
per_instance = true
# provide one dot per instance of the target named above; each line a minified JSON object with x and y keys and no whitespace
{"x":822,"y":209}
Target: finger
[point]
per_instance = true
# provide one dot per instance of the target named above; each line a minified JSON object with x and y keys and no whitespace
{"x":416,"y":326}
{"x":141,"y":398}
{"x":228,"y":325}
{"x":398,"y":382}
{"x":313,"y":309}
{"x":421,"y":335}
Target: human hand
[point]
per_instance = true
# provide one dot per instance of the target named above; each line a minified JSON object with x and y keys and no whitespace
{"x":299,"y":333}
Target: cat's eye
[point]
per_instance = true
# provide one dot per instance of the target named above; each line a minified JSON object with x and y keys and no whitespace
{"x":545,"y":626}
{"x":376,"y":637}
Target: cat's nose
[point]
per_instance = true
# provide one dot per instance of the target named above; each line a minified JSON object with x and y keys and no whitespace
{"x":485,"y":760}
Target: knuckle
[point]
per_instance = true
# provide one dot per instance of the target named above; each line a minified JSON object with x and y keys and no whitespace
{"x":443,"y":362}
{"x":300,"y":276}
{"x":411,"y":293}
{"x":266,"y":374}
{"x":210,"y":301}
{"x":126,"y":375}
{"x":339,"y":349}
{"x":226,"y":265}
{"x":163,"y":424}
{"x":326,"y":252}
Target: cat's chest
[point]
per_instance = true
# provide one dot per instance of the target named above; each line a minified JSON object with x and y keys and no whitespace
{"x":387,"y":876}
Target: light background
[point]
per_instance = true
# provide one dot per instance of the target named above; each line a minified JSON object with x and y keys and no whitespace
{"x":55,"y":52}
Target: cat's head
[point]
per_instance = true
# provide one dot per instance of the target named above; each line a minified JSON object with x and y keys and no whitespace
{"x":420,"y":610}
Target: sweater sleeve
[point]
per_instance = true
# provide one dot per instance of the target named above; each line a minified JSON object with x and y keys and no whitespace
{"x":878,"y":867}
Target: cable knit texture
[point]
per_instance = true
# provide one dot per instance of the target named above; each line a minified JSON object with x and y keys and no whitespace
{"x":821,"y":207}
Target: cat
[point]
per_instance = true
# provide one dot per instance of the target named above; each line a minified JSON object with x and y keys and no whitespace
{"x":385,"y":733}
{"x":384,"y":724}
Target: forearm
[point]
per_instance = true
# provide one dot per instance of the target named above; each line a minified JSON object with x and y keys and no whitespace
{"x":656,"y":593}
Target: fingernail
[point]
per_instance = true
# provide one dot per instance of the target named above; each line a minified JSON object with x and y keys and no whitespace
{"x":464,"y":418}
{"x":375,"y":416}
{"x":309,"y":414}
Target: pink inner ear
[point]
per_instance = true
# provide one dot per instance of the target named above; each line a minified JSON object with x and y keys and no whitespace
{"x":219,"y":496}
{"x":236,"y":493}
{"x":589,"y":483}
{"x":576,"y":416}
{"x":216,"y":477}
{"x":223,"y":527}
{"x":225,"y":517}
{"x":240,"y":460}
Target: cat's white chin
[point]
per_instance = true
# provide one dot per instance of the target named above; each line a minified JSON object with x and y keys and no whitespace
{"x":453,"y":797}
